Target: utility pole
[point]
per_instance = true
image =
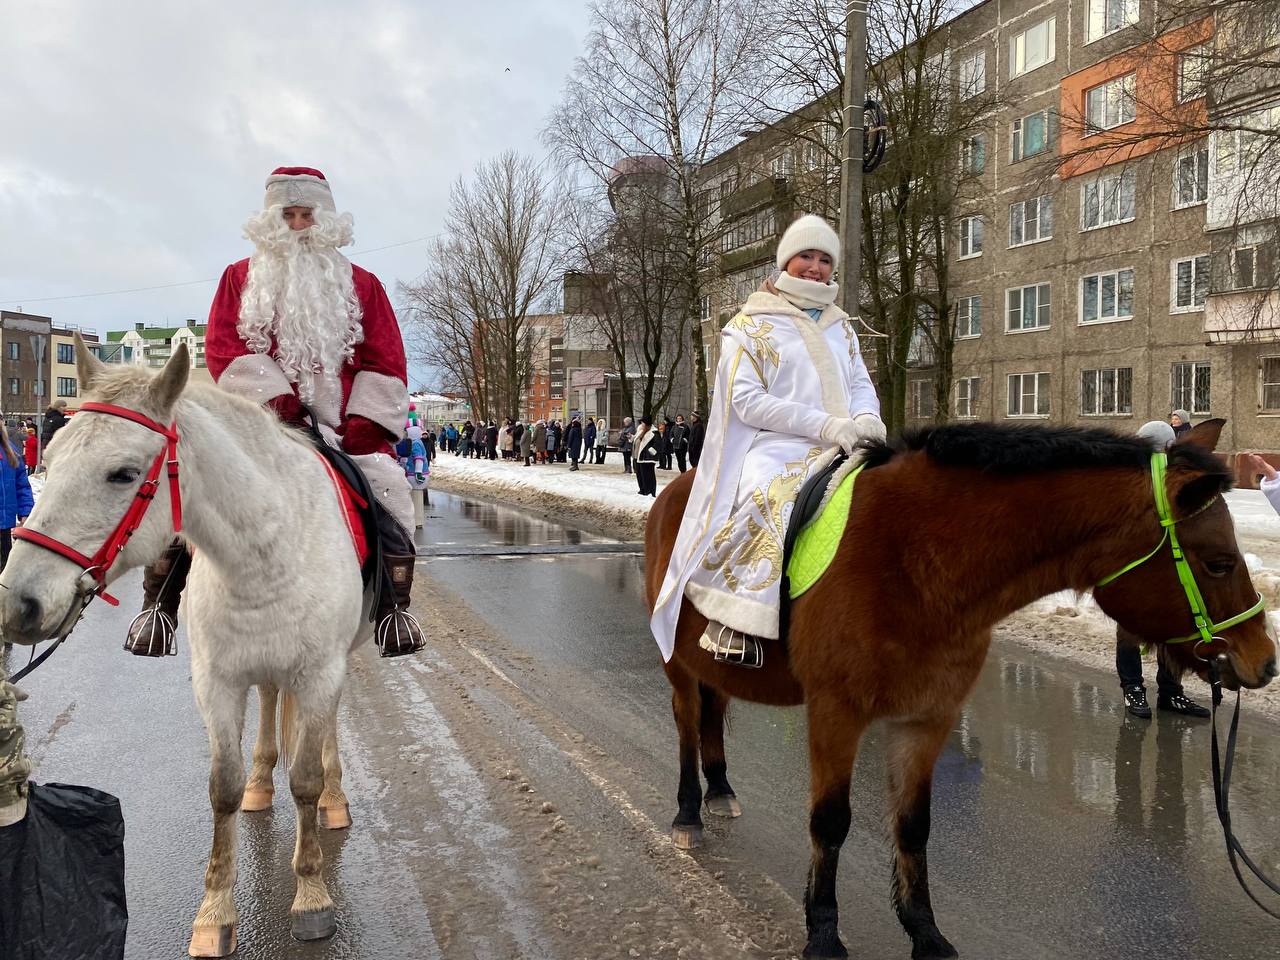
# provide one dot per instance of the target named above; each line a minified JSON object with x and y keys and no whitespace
{"x":855,"y":95}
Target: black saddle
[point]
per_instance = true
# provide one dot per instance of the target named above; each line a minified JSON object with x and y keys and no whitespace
{"x":804,"y":510}
{"x":349,"y":472}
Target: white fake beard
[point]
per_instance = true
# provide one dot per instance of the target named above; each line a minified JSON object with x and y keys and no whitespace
{"x":300,"y":293}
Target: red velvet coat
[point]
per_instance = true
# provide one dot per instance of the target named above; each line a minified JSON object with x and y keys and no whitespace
{"x":373,"y":384}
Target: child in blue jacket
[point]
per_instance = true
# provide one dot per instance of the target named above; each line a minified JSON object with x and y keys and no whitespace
{"x":16,"y":499}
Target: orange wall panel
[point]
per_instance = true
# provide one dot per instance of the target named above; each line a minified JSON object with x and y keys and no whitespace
{"x":1157,"y":108}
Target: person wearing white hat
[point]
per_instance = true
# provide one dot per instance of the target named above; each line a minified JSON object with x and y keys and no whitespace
{"x":791,"y":392}
{"x":296,"y":324}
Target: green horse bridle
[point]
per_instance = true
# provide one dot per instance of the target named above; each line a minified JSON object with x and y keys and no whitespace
{"x":1206,"y":629}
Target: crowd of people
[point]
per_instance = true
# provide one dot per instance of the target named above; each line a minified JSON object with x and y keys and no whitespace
{"x":673,"y":443}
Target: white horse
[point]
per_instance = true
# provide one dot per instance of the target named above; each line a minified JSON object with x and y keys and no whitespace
{"x":274,"y":597}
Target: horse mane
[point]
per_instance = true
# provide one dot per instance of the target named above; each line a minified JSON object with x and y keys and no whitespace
{"x":1017,"y":449}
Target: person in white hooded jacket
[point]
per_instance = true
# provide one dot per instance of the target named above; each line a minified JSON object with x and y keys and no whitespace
{"x":791,"y":392}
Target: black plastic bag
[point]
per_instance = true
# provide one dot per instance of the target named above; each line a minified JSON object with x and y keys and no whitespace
{"x":62,"y":877}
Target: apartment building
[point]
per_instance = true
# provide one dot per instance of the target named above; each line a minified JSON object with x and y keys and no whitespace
{"x":1108,"y":290}
{"x":62,"y":374}
{"x":152,"y":346}
{"x":24,"y":351}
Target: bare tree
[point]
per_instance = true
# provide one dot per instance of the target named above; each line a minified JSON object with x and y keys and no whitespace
{"x":657,"y":80}
{"x":637,"y":264}
{"x":496,"y":267}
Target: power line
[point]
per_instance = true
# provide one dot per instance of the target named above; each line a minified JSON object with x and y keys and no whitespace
{"x":191,"y":283}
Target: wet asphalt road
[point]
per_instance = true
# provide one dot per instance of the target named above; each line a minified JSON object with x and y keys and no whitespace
{"x":1062,"y":828}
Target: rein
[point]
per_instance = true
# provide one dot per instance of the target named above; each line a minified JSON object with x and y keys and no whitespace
{"x":93,"y":580}
{"x":1206,"y":633}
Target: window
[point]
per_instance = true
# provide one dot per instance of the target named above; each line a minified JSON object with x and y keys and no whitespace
{"x":1106,"y":296}
{"x":14,"y":349}
{"x":1108,"y":16}
{"x":1027,"y":308}
{"x":1193,"y":71}
{"x":969,"y":317}
{"x":967,"y":398}
{"x":1191,"y":176}
{"x":1244,"y":262}
{"x":1271,"y":383}
{"x":973,"y":154}
{"x":66,"y":353}
{"x":727,"y":186}
{"x":704,"y":308}
{"x":1028,"y":394}
{"x":1030,"y":220}
{"x":15,"y":386}
{"x":38,"y":388}
{"x":1245,"y":149}
{"x":1106,"y":392}
{"x":922,"y":399}
{"x":1032,"y":48}
{"x":66,"y":386}
{"x":1111,"y":104}
{"x":1030,"y":136}
{"x":1190,"y":387}
{"x":782,"y":165}
{"x":1109,"y":200}
{"x":970,"y":237}
{"x":1190,"y":279}
{"x":973,"y":75}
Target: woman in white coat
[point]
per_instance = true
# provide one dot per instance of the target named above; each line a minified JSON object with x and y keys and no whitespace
{"x":791,"y":391}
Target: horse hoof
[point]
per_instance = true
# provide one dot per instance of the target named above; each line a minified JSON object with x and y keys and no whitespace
{"x":213,"y":941}
{"x":334,"y":818}
{"x":313,"y":924}
{"x":724,"y":805}
{"x":686,"y":838}
{"x":256,"y":800}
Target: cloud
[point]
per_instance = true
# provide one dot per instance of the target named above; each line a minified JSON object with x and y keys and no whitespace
{"x":135,"y":137}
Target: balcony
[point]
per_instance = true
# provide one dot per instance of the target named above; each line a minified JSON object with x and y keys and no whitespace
{"x":1246,"y":317}
{"x":735,"y":260}
{"x":771,"y":190}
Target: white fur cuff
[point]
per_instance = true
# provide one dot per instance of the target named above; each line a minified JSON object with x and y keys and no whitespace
{"x":380,"y":398}
{"x":256,"y":377}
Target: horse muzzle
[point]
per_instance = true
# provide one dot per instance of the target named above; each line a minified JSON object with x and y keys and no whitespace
{"x":22,"y":618}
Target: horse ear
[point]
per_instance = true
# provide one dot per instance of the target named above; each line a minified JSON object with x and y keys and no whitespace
{"x":1199,"y":490}
{"x":1204,"y":434}
{"x":88,"y":367}
{"x":164,"y":389}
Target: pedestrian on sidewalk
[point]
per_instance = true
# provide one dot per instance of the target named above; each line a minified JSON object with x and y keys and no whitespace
{"x":31,"y":450}
{"x":680,"y":442}
{"x":664,"y":447}
{"x":553,"y":441}
{"x":468,"y":436}
{"x":648,"y":447}
{"x":626,"y":436}
{"x":588,"y":439}
{"x":697,"y":433}
{"x":491,"y":440}
{"x":540,"y":441}
{"x":1170,"y":695}
{"x":16,"y":500}
{"x":573,"y":442}
{"x":602,"y":440}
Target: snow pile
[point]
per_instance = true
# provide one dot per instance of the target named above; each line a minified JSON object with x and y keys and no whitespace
{"x":594,"y":496}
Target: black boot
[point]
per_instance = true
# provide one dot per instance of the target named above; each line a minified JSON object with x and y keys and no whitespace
{"x":398,"y":631}
{"x":732,"y":646}
{"x":152,"y":632}
{"x":1135,"y":701}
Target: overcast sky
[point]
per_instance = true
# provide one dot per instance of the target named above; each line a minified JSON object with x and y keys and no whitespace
{"x":135,"y":136}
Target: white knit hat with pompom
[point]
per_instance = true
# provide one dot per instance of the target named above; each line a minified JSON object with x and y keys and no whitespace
{"x":808,"y":233}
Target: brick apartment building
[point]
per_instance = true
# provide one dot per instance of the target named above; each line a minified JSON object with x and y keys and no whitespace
{"x":1110,"y":292}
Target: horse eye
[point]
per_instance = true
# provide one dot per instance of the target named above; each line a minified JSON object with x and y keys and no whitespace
{"x":1219,"y":568}
{"x":123,"y":475}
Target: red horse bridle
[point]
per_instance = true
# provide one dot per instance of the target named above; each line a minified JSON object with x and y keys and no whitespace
{"x":94,"y":578}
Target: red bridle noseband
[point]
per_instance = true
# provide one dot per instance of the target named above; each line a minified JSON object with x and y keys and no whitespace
{"x":96,"y":567}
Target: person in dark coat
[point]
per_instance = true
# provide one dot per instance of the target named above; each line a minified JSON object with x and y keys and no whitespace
{"x":679,"y":437}
{"x":626,"y":436}
{"x":491,"y":441}
{"x":665,"y":449}
{"x":648,"y":448}
{"x":573,"y":442}
{"x":55,"y":418}
{"x":697,"y":434}
{"x":589,"y":438}
{"x":429,"y":441}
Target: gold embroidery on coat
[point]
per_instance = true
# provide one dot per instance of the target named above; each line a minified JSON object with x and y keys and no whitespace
{"x":757,"y":331}
{"x":761,"y":548}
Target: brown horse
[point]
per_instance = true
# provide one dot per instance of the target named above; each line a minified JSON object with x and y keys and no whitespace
{"x":952,"y":529}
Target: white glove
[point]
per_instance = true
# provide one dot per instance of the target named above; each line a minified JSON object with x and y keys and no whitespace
{"x":849,"y":432}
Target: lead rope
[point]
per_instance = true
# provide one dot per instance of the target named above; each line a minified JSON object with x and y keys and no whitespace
{"x":1221,"y":795}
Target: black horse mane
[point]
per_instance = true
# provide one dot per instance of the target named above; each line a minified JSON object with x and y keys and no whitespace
{"x":1033,"y":448}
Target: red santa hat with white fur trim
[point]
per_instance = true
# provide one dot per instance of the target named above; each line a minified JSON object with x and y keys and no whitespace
{"x":299,"y":187}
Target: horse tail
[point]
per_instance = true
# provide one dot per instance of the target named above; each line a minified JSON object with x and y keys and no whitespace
{"x":288,"y":727}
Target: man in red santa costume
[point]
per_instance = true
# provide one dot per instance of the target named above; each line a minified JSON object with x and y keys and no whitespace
{"x":298,"y":324}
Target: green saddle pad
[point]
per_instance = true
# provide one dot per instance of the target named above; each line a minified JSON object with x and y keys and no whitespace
{"x":818,"y":542}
